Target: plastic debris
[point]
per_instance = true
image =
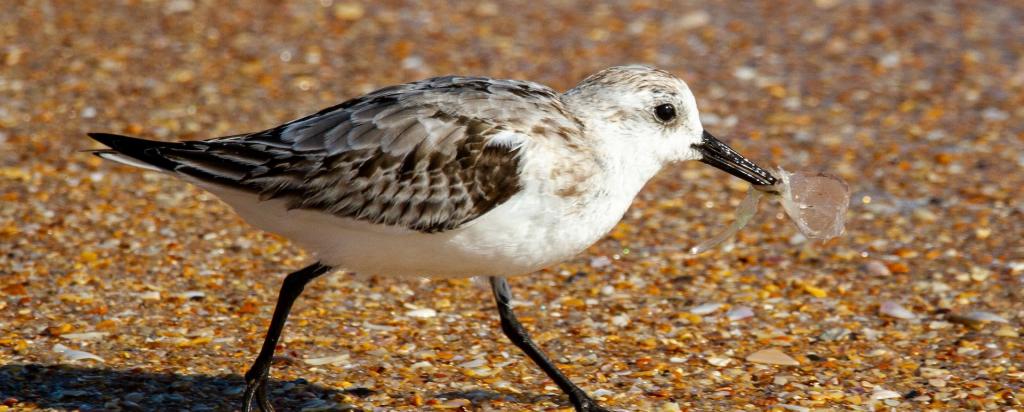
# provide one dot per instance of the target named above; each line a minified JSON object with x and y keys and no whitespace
{"x":815,"y":202}
{"x":746,"y":211}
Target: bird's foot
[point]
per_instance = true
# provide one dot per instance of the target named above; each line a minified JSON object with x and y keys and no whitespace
{"x":584,"y":403}
{"x":256,"y":388}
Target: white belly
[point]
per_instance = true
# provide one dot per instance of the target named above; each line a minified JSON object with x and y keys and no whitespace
{"x":524,"y":234}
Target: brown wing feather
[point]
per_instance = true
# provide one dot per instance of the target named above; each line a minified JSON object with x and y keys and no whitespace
{"x":418,"y":155}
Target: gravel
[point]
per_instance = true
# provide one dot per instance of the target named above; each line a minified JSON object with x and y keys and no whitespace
{"x":916,"y":105}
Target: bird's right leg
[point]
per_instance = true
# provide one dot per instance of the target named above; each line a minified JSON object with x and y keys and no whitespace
{"x":256,"y":377}
{"x":517,"y":334}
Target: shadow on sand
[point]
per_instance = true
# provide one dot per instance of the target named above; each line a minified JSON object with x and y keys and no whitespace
{"x":65,"y":387}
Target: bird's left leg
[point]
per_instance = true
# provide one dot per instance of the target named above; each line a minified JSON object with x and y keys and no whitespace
{"x":257,"y":376}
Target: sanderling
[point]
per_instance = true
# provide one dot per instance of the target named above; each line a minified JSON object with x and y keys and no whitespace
{"x":448,"y":177}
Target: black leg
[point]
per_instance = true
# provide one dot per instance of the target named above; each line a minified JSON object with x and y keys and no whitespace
{"x":256,"y":377}
{"x":518,"y":335}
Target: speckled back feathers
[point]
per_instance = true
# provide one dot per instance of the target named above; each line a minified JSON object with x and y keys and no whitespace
{"x":428,"y":156}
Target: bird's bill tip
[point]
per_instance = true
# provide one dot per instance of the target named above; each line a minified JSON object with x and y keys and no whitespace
{"x":716,"y":153}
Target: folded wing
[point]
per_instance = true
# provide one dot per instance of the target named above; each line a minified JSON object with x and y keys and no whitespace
{"x":428,"y":156}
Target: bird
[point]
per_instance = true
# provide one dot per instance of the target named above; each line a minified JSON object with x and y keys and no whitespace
{"x":453,"y":176}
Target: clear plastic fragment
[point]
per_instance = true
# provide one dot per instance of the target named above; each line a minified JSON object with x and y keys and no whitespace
{"x":815,"y":202}
{"x":746,"y":210}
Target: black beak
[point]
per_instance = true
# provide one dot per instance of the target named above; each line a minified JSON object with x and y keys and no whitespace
{"x":720,"y":155}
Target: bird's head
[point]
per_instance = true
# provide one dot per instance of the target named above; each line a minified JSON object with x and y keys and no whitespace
{"x":644,"y":112}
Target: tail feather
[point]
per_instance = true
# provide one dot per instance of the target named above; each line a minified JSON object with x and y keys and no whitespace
{"x":134,"y":151}
{"x":203,"y":161}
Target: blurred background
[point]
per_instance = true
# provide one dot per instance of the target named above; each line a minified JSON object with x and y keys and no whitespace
{"x":919,"y":106}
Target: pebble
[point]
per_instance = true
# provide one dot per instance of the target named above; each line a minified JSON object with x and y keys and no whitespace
{"x":600,"y":262}
{"x":475,"y":363}
{"x":739,"y":313}
{"x":1007,"y":332}
{"x":349,"y":11}
{"x":669,"y":407}
{"x":705,"y":309}
{"x":72,"y":355}
{"x":318,"y":405}
{"x":876,"y":268}
{"x":871,"y":334}
{"x":327,"y":360}
{"x":879,"y":393}
{"x":976,"y":318}
{"x":100,"y":248}
{"x":834,"y":334}
{"x":151,"y":295}
{"x":85,"y":336}
{"x":772,"y":357}
{"x":422,"y":313}
{"x":895,"y":310}
{"x":192,"y":295}
{"x":982,"y":316}
{"x":927,"y":372}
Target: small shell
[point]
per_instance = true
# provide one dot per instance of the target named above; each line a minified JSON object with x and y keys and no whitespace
{"x":72,"y":355}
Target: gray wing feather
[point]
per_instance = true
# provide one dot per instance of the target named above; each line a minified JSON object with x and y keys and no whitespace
{"x":418,"y":155}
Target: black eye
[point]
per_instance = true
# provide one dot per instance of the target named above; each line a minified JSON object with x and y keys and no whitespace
{"x":665,"y":112}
